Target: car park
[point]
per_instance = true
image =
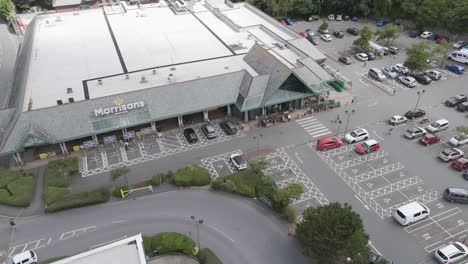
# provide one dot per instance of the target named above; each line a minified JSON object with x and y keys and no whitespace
{"x":304,"y":34}
{"x":429,"y":139}
{"x":356,"y":135}
{"x":328,"y":143}
{"x":397,"y":119}
{"x":345,"y":60}
{"x":371,"y":56}
{"x":367,"y":147}
{"x":326,"y":37}
{"x":433,"y":74}
{"x":331,"y":17}
{"x":421,"y":78}
{"x":190,"y":135}
{"x":390,"y":73}
{"x":381,"y":23}
{"x":288,"y":21}
{"x":362,"y":57}
{"x":25,"y":257}
{"x":228,"y":127}
{"x":416,"y":113}
{"x":460,"y":164}
{"x":455,"y":68}
{"x":338,"y":34}
{"x":450,"y":154}
{"x":376,"y":74}
{"x":411,"y":213}
{"x":426,"y":34}
{"x":458,"y":140}
{"x":353,"y":31}
{"x":209,"y":131}
{"x":438,"y":125}
{"x":339,"y":17}
{"x":415,"y":132}
{"x":456,"y":100}
{"x":313,"y":39}
{"x":408,"y":81}
{"x":400,"y":68}
{"x":458,"y":195}
{"x":451,"y":253}
{"x":323,"y":31}
{"x":239,"y":161}
{"x":462,"y":107}
{"x":459,"y":44}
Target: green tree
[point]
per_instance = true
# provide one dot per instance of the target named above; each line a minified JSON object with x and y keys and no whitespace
{"x":417,"y":56}
{"x":305,"y":8}
{"x":118,"y":172}
{"x":381,"y":7}
{"x":364,"y":37}
{"x":388,"y":32}
{"x":324,"y":25}
{"x":462,"y":131}
{"x":283,"y":197}
{"x":333,"y":232}
{"x":23,"y":4}
{"x":439,"y":50}
{"x":258,"y":165}
{"x":6,"y":9}
{"x":455,"y":18}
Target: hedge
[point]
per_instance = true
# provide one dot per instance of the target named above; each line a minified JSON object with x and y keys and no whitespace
{"x":158,"y":179}
{"x":74,"y":200}
{"x":116,"y":191}
{"x":16,"y":187}
{"x":207,"y":256}
{"x":147,"y":244}
{"x":169,"y":242}
{"x":52,"y":260}
{"x":192,"y":175}
{"x":242,"y":182}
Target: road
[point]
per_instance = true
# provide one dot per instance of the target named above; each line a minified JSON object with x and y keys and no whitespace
{"x":8,"y":51}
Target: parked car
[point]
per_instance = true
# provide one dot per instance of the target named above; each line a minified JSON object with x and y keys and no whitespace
{"x":367,"y":147}
{"x":345,"y":60}
{"x":281,"y":20}
{"x":239,"y":161}
{"x":397,"y":120}
{"x":440,"y":39}
{"x":346,"y":18}
{"x":353,"y":31}
{"x":338,"y":34}
{"x":323,"y":31}
{"x":429,"y":139}
{"x":458,"y":140}
{"x":25,"y":257}
{"x":190,"y":135}
{"x":362,"y":57}
{"x":326,"y":37}
{"x":354,"y":18}
{"x":415,"y":33}
{"x":339,"y":17}
{"x":433,"y":74}
{"x":455,"y":68}
{"x":451,"y":253}
{"x":460,"y":164}
{"x":450,"y":154}
{"x":381,"y":23}
{"x":390,"y":73}
{"x":288,"y":21}
{"x":421,"y":78}
{"x":411,"y":213}
{"x":378,"y":259}
{"x":371,"y":55}
{"x":458,"y":195}
{"x":393,"y":50}
{"x":309,"y":32}
{"x":313,"y":39}
{"x":209,"y":131}
{"x":376,"y":74}
{"x":426,"y":34}
{"x":228,"y":127}
{"x":400,"y":68}
{"x":408,"y":81}
{"x":331,"y":17}
{"x":303,"y":34}
{"x":459,"y":44}
{"x":415,"y":132}
{"x":417,"y":113}
{"x":328,"y":143}
{"x":438,"y":125}
{"x":462,"y":107}
{"x":456,"y":100}
{"x":356,"y":135}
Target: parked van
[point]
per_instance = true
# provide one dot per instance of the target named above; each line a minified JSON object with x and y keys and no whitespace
{"x":460,"y":56}
{"x":376,"y":74}
{"x":463,"y":107}
{"x":438,"y":125}
{"x":456,"y":195}
{"x":377,"y":49}
{"x":411,"y":213}
{"x":26,"y":257}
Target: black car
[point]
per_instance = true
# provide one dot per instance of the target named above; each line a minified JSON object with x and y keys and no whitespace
{"x":353,"y":31}
{"x":228,"y":127}
{"x":346,"y":18}
{"x":209,"y":131}
{"x":415,"y":113}
{"x":421,"y":78}
{"x":190,"y":135}
{"x":455,"y":100}
{"x":345,"y":60}
{"x":338,"y":34}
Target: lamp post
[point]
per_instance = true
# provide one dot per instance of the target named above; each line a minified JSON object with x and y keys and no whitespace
{"x":348,"y":113}
{"x":197,"y":222}
{"x":420,"y":93}
{"x":257,"y":140}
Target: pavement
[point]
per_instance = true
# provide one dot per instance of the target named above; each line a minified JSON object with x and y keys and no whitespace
{"x":9,"y":44}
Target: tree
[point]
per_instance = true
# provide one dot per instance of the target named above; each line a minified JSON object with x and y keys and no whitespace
{"x":439,"y":50}
{"x":382,"y":7}
{"x":333,"y":232}
{"x":388,"y":32}
{"x":364,"y":37}
{"x":283,"y":197}
{"x":23,"y":4}
{"x":462,"y":131}
{"x":258,"y":165}
{"x":6,"y":9}
{"x":456,"y":17}
{"x":417,"y":56}
{"x":324,"y":25}
{"x":117,"y":172}
{"x":305,"y":8}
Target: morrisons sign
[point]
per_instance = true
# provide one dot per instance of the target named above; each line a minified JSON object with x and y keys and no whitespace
{"x":118,"y":108}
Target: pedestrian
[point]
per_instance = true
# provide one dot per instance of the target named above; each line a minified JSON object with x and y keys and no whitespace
{"x":394,"y":91}
{"x":390,"y":130}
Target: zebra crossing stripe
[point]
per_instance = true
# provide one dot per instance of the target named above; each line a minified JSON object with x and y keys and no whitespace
{"x":314,"y":127}
{"x":320,"y":132}
{"x":305,"y":120}
{"x":310,"y":123}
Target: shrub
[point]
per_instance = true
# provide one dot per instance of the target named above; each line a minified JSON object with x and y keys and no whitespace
{"x":116,"y":191}
{"x":207,"y":256}
{"x":147,"y":244}
{"x":169,"y":176}
{"x":192,"y":175}
{"x":74,"y":200}
{"x":290,"y":214}
{"x":16,"y":187}
{"x":168,"y":242}
{"x":158,"y":179}
{"x":54,"y":194}
{"x":217,"y":184}
{"x":229,"y":186}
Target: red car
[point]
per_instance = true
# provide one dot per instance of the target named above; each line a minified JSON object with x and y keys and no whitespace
{"x":282,"y":21}
{"x":367,"y":146}
{"x":440,"y":39}
{"x":328,"y":143}
{"x":429,"y":139}
{"x":460,"y":164}
{"x":303,"y":34}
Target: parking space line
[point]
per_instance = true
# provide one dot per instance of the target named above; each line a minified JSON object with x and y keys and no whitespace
{"x":458,"y":210}
{"x":394,"y":187}
{"x":430,"y":219}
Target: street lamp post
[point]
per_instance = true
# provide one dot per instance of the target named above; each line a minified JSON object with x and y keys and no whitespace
{"x":348,"y":113}
{"x":197,"y":222}
{"x":257,"y":140}
{"x":420,"y":93}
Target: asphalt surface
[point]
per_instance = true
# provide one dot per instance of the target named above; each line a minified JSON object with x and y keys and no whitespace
{"x":8,"y":51}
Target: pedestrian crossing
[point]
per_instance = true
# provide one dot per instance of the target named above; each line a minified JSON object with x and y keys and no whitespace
{"x":313,"y":126}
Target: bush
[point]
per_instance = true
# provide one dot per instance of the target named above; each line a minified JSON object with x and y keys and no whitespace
{"x":229,"y":186}
{"x":217,"y":184}
{"x":290,"y":214}
{"x":207,"y":256}
{"x":116,"y":191}
{"x":158,"y":179}
{"x":192,"y":175}
{"x":169,"y":242}
{"x":74,"y":200}
{"x":169,"y":176}
{"x":16,"y":187}
{"x":54,"y":194}
{"x":147,"y":244}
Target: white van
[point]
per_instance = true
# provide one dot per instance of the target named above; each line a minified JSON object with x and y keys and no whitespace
{"x":438,"y":125}
{"x":411,"y":213}
{"x":26,"y":257}
{"x":460,"y":56}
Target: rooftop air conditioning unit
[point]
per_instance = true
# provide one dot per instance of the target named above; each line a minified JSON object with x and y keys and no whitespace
{"x":154,"y":72}
{"x":99,"y":82}
{"x":127,"y":76}
{"x":69,"y":90}
{"x":59,"y":101}
{"x":71,"y":99}
{"x":280,"y":45}
{"x":173,"y":69}
{"x":143,"y":79}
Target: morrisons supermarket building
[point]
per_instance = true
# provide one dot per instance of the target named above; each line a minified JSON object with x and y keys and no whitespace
{"x":84,"y":75}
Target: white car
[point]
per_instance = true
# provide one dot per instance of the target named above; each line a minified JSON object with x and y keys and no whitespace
{"x":415,"y":132}
{"x":239,"y":161}
{"x":459,"y":44}
{"x":331,"y":17}
{"x":338,"y":18}
{"x":326,"y":37}
{"x":362,"y":57}
{"x":400,"y":68}
{"x":450,"y":154}
{"x":356,"y":135}
{"x":408,"y":81}
{"x":426,"y":34}
{"x":26,"y":257}
{"x":397,"y":119}
{"x":451,"y":253}
{"x":458,"y":140}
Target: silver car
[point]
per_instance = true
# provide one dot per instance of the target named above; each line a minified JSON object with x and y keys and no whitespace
{"x":390,"y":73}
{"x":415,"y":132}
{"x":450,"y":154}
{"x":408,"y":81}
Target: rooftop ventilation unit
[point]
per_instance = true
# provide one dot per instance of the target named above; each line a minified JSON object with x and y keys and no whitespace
{"x":71,"y":100}
{"x":143,"y":79}
{"x":99,"y":82}
{"x":173,"y":69}
{"x":226,"y":68}
{"x":280,"y":45}
{"x":154,"y":72}
{"x":171,"y":77}
{"x":127,"y":76}
{"x":69,"y":90}
{"x":59,"y":102}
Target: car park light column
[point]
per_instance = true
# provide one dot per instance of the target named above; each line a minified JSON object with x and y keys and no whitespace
{"x":348,"y":113}
{"x":417,"y":101}
{"x":197,"y":222}
{"x":257,"y":139}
